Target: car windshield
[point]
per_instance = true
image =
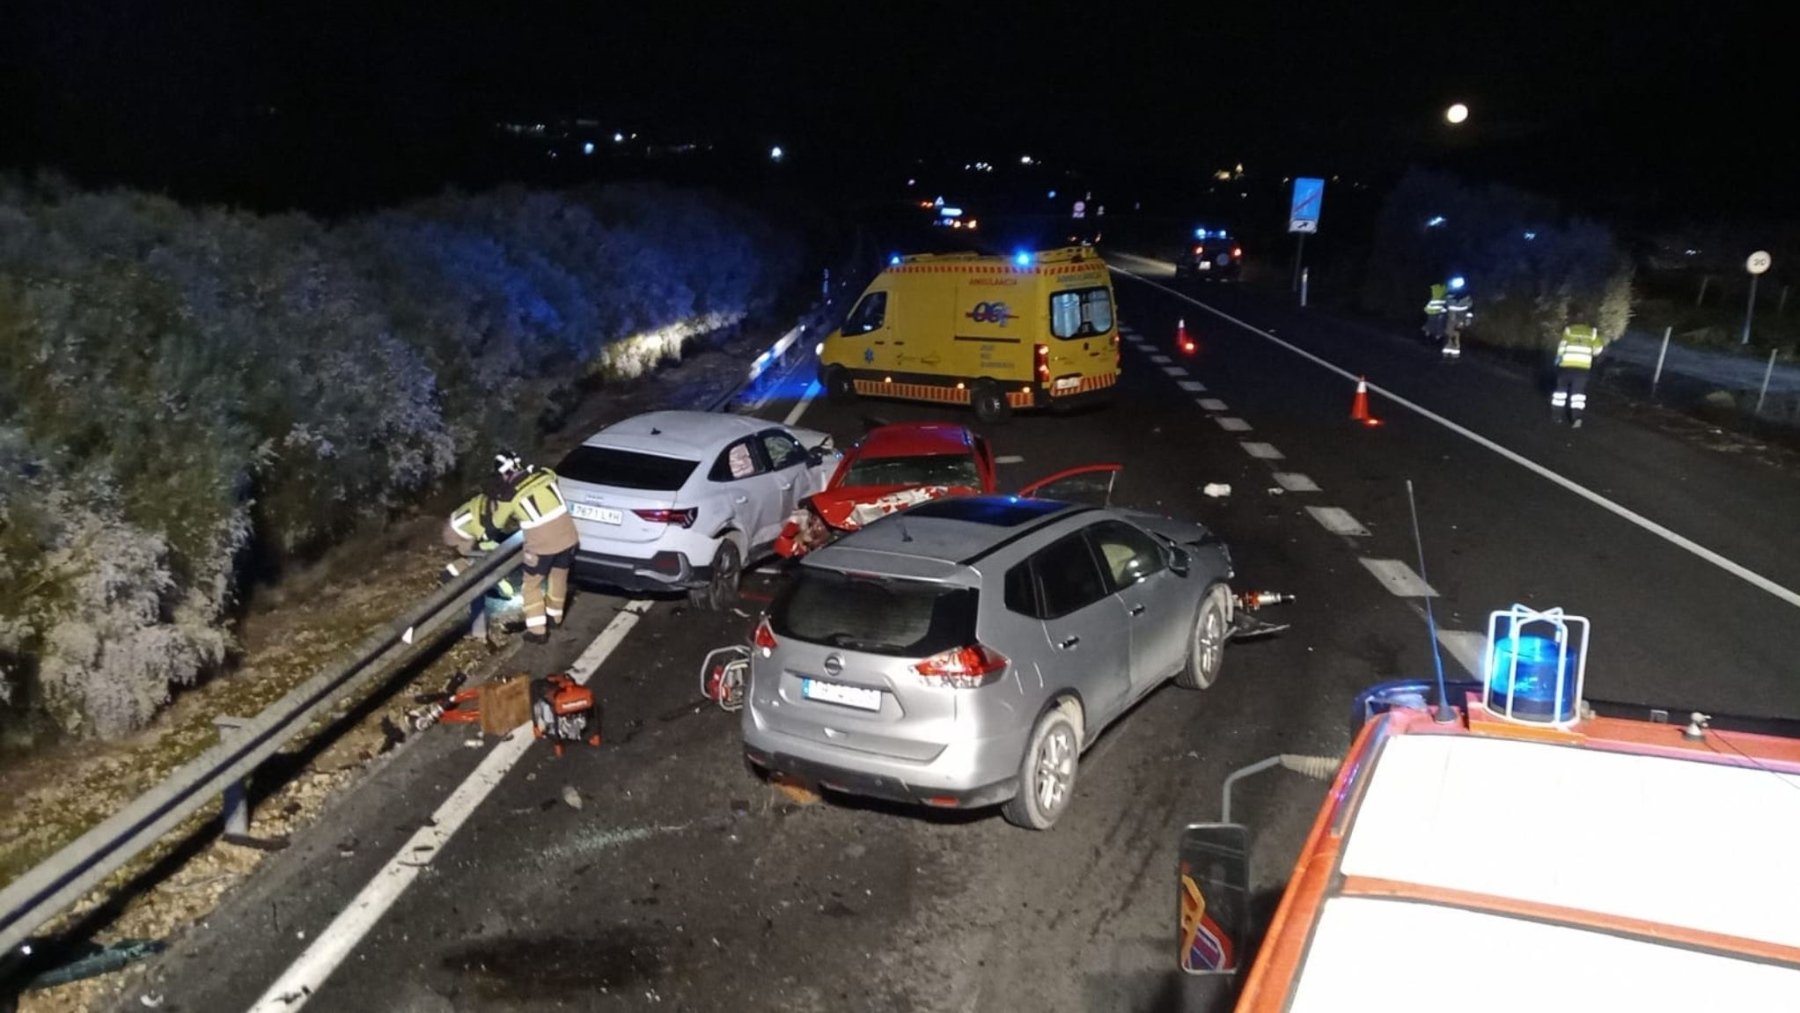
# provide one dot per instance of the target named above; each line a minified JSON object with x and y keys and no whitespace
{"x":928,"y":469}
{"x":879,"y":615}
{"x":625,"y":469}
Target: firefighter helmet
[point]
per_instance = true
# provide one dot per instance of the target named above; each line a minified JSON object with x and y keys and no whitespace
{"x":507,"y":464}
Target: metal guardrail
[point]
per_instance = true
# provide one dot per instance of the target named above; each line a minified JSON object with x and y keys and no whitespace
{"x":57,"y":882}
{"x":54,"y":884}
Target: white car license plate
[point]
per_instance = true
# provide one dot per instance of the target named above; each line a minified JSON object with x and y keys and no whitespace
{"x":605,"y":515}
{"x":838,"y":693}
{"x":1068,"y":382}
{"x":1205,"y":265}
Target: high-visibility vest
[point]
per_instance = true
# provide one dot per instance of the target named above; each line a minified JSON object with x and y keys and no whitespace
{"x":474,"y":519}
{"x":536,"y":500}
{"x":1580,"y":344}
{"x":1435,"y":304}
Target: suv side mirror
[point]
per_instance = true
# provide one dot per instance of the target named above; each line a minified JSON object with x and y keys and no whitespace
{"x":1179,"y":562}
{"x":1214,"y":897}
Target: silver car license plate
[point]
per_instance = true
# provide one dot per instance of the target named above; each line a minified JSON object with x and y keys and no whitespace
{"x":838,"y":693}
{"x":605,"y":515}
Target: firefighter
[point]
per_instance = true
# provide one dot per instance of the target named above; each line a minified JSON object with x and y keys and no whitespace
{"x":1434,"y":312}
{"x":529,"y":498}
{"x":1581,"y":344}
{"x":471,"y":532}
{"x":1458,"y":310}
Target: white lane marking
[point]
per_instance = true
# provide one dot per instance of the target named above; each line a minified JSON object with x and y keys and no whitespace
{"x":1466,"y":647}
{"x":1175,"y":370}
{"x":1786,"y":594}
{"x":1398,"y":578}
{"x":1211,"y":404}
{"x":1231,"y":425}
{"x":1293,"y":481}
{"x":806,"y":399}
{"x":1161,"y":360}
{"x":1192,"y":386}
{"x":1338,"y":521}
{"x":1009,"y":459}
{"x":303,"y":979}
{"x":1130,"y":332}
{"x":1262,"y":451}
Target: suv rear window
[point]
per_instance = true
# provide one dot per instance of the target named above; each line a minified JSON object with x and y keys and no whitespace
{"x":879,"y":615}
{"x":625,"y":469}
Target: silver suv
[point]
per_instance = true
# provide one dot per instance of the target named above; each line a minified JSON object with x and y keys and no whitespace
{"x":962,"y":653}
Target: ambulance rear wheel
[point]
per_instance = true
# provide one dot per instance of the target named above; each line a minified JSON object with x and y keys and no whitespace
{"x":988,"y":401}
{"x":838,"y":385}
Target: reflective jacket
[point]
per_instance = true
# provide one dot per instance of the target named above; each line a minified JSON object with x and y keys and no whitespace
{"x":474,"y":520}
{"x":534,"y":503}
{"x":1579,"y":346}
{"x":1435,"y":304}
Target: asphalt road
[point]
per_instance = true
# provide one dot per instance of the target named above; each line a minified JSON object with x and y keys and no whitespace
{"x":684,"y":882}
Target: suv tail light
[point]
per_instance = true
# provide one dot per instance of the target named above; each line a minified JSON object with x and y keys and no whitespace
{"x":962,"y":667}
{"x":1040,"y":357}
{"x":1198,"y":250}
{"x":681,"y":518}
{"x":764,"y":638}
{"x":1237,"y":253}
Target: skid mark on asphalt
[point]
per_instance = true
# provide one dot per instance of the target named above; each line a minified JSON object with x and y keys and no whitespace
{"x":1231,"y":425}
{"x":1294,"y":481}
{"x":1398,"y":578}
{"x":1192,"y":386}
{"x":1742,"y":572}
{"x":1262,"y":451}
{"x":1338,"y":521}
{"x":1211,"y":404}
{"x":303,"y":979}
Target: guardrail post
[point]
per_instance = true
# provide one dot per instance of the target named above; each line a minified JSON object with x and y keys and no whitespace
{"x":234,"y":809}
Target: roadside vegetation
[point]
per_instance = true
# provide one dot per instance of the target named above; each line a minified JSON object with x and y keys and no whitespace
{"x":1533,"y":268}
{"x":196,"y":396}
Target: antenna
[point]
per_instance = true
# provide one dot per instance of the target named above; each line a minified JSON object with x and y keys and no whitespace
{"x":900,"y":522}
{"x":1445,"y":714}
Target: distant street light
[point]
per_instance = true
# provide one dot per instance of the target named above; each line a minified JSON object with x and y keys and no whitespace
{"x":775,"y":153}
{"x":1457,"y":113}
{"x":1024,"y":159}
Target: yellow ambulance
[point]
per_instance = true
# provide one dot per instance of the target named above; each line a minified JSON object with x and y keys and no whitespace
{"x":1031,"y":330}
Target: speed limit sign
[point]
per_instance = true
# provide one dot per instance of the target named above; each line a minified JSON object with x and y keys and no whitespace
{"x":1759,"y":262}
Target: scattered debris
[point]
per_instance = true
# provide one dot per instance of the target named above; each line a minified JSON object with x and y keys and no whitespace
{"x":1276,"y":490}
{"x":854,"y":851}
{"x":1217,"y":490}
{"x":347,"y":847}
{"x":151,"y":999}
{"x":571,"y":796}
{"x":259,"y":843}
{"x":795,"y":792}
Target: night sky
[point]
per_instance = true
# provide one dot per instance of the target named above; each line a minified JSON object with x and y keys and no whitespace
{"x":1682,"y":107}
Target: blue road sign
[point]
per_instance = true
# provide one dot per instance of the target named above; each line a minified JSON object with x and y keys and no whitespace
{"x":1303,"y":214}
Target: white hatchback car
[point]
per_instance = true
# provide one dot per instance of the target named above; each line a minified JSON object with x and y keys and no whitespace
{"x":677,"y":500}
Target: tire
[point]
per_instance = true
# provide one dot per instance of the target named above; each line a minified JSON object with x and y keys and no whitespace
{"x":720,"y":592}
{"x":839,"y":387}
{"x":1206,"y":644}
{"x":1046,"y":772}
{"x":988,"y":401}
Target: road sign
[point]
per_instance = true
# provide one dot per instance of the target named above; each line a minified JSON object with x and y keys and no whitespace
{"x":1303,"y":213}
{"x":1759,"y":262}
{"x":1080,"y":209}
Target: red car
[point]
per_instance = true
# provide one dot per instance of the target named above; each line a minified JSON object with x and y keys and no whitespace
{"x":892,"y":467}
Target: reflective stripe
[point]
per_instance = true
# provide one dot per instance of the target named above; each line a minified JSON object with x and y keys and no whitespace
{"x":553,"y":613}
{"x":1578,"y":400}
{"x":537,"y":621}
{"x":545,"y":519}
{"x":463,"y":523}
{"x":1560,"y":398}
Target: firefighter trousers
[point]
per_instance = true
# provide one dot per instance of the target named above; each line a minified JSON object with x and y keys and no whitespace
{"x":546,"y":590}
{"x":1570,"y":394}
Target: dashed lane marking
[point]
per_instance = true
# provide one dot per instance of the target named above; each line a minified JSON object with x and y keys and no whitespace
{"x":1262,"y":451}
{"x":1742,"y":572}
{"x":1398,"y":578}
{"x":1466,"y":647}
{"x":1211,"y":404}
{"x":806,"y":399}
{"x":1231,"y":425}
{"x":1192,"y":386}
{"x":1161,"y":360}
{"x":1338,"y":521}
{"x":303,"y":979}
{"x":1175,"y":370}
{"x":1293,"y":481}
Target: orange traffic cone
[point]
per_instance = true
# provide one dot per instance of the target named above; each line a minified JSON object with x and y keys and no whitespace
{"x":1183,"y":343}
{"x":1359,"y":405}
